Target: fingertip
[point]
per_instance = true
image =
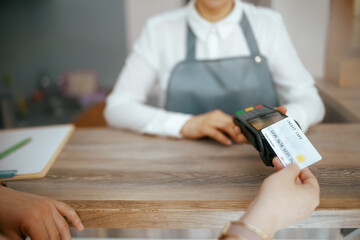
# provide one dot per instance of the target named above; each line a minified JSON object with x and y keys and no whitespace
{"x":77,"y":224}
{"x":291,"y":169}
{"x":305,"y":171}
{"x":244,"y":139}
{"x":307,"y":176}
{"x":68,"y":212}
{"x":284,"y":110}
{"x":81,"y":227}
{"x":281,"y":109}
{"x":294,"y":166}
{"x":277,"y":163}
{"x":226,"y":142}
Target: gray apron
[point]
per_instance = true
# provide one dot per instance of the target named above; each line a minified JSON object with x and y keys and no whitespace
{"x":228,"y":84}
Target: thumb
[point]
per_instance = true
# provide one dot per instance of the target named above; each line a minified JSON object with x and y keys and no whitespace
{"x":291,"y":171}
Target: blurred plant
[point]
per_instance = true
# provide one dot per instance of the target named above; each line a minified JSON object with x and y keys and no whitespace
{"x":7,"y":80}
{"x":20,"y":102}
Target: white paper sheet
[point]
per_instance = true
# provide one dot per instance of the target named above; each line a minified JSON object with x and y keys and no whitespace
{"x":32,"y":157}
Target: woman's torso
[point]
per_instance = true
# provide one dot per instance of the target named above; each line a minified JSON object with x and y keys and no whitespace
{"x":221,"y":40}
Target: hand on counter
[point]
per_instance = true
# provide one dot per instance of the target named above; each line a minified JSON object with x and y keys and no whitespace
{"x":216,"y":125}
{"x":23,"y":214}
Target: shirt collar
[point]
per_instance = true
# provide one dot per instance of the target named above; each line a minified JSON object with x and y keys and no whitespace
{"x":202,"y":28}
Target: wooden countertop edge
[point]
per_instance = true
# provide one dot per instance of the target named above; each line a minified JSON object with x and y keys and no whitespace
{"x":198,"y":214}
{"x":190,"y":205}
{"x":163,"y":215}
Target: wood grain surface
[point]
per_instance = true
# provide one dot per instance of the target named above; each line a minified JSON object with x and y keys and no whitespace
{"x":119,"y":179}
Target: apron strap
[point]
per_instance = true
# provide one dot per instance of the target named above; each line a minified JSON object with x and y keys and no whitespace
{"x":249,"y":36}
{"x":190,"y":54}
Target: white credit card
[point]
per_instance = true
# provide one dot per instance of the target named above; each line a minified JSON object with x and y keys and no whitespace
{"x":290,"y":143}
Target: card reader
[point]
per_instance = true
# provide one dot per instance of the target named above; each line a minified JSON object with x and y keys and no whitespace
{"x":251,"y":120}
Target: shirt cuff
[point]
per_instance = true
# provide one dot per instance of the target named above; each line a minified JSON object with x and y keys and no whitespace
{"x":175,"y":123}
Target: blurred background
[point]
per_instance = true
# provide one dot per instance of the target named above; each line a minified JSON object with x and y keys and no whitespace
{"x":60,"y":58}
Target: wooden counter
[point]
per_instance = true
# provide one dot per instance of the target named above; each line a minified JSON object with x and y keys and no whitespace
{"x":118,"y":179}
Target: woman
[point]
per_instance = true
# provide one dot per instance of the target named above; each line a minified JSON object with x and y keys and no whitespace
{"x":204,"y":62}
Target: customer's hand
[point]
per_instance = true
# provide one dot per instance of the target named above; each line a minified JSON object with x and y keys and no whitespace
{"x":285,"y":198}
{"x":214,"y":124}
{"x":23,"y":214}
{"x":2,"y":237}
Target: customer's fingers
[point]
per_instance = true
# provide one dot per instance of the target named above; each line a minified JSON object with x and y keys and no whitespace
{"x":307,"y":177}
{"x":277,"y":163}
{"x":35,"y":229}
{"x":70,"y":213}
{"x":62,"y":226}
{"x":291,"y":171}
{"x":51,"y":228}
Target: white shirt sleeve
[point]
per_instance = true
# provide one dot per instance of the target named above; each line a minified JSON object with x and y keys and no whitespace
{"x":126,"y":106}
{"x":295,"y":86}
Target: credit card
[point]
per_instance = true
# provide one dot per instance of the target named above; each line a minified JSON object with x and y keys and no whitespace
{"x":290,"y":143}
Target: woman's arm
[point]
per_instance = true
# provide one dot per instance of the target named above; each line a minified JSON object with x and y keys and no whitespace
{"x":126,"y":106}
{"x":295,"y":86}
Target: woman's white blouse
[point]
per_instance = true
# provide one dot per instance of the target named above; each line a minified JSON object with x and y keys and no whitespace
{"x":162,"y":45}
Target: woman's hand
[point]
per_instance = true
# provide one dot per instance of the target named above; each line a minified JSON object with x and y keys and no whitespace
{"x":281,"y":109}
{"x":23,"y":214}
{"x":285,"y":198}
{"x":216,"y":124}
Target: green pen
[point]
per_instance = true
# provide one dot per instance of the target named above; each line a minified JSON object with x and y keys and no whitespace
{"x":14,"y":148}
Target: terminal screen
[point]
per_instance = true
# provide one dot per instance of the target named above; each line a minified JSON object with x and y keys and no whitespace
{"x":265,"y":121}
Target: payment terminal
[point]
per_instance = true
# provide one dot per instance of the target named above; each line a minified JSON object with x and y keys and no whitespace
{"x":251,"y":120}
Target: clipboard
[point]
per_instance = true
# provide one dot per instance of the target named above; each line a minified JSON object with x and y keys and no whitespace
{"x":34,"y":159}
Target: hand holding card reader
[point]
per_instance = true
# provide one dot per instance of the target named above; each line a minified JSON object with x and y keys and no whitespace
{"x":251,"y":120}
{"x":273,"y":134}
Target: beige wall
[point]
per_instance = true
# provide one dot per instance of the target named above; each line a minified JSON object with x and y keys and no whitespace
{"x":307,"y":24}
{"x":137,"y":11}
{"x":306,"y":21}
